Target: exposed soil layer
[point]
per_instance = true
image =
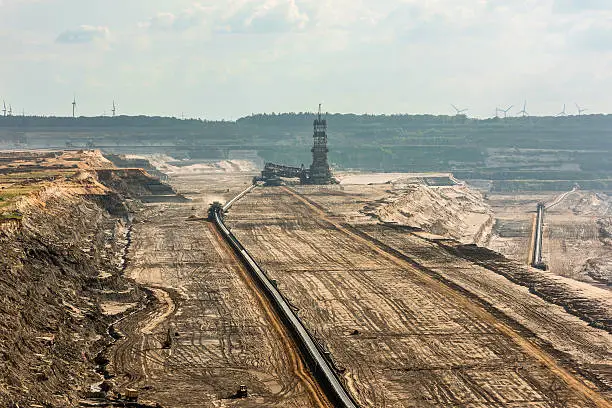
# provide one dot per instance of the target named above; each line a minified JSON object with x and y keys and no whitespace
{"x":410,"y":319}
{"x":59,"y":264}
{"x":65,"y":225}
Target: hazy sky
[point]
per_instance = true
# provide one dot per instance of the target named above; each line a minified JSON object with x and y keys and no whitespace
{"x":229,"y":58}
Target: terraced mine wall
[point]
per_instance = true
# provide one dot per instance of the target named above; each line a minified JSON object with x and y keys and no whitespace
{"x":56,"y":265}
{"x":123,"y":161}
{"x":61,"y":260}
{"x":515,"y":154}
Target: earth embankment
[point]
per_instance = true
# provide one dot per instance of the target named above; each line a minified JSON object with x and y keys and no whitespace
{"x":61,"y":258}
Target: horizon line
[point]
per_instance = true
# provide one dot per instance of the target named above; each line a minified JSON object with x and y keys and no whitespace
{"x":462,"y":116}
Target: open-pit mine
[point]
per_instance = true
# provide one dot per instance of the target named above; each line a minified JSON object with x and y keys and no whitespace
{"x":147,"y":281}
{"x":123,"y":290}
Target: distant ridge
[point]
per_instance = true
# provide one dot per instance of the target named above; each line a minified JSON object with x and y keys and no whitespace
{"x":280,"y":119}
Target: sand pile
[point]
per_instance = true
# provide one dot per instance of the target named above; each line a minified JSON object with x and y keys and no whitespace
{"x":451,"y":211}
{"x":175,"y":167}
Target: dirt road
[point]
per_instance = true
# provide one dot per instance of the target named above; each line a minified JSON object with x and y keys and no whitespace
{"x":406,"y":339}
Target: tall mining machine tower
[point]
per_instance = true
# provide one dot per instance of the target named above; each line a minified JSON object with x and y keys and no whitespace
{"x":319,"y":171}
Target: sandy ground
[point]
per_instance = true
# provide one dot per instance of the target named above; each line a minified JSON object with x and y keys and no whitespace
{"x":223,"y":334}
{"x":454,"y":210}
{"x":404,"y":338}
{"x":577,"y":225}
{"x":172,"y":167}
{"x":360,"y":178}
{"x":415,"y":326}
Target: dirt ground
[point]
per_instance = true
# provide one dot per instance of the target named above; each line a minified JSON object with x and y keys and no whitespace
{"x":223,"y":333}
{"x":577,"y":224}
{"x":411,"y":319}
{"x":577,"y":232}
{"x":62,"y":240}
{"x":434,"y":330}
{"x":434,"y":202}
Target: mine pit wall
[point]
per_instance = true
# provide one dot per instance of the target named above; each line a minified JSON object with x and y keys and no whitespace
{"x":133,"y":182}
{"x":57,"y":263}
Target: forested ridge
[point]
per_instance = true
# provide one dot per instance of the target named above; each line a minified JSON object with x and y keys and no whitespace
{"x":518,"y":149}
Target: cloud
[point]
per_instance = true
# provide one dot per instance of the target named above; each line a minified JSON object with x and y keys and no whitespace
{"x":574,"y":6}
{"x":276,"y":16}
{"x":363,"y":54}
{"x":592,"y":36}
{"x":271,"y":16}
{"x":183,"y":20}
{"x":83,"y":34}
{"x":162,"y":21}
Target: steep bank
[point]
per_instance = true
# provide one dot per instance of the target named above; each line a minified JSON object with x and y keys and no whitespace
{"x":56,"y":268}
{"x":61,"y":267}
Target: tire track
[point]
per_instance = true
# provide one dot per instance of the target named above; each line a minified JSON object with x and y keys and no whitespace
{"x":540,"y":355}
{"x":316,"y":394}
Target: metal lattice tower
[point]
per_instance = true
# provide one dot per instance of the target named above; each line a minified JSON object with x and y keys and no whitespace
{"x":319,"y":170}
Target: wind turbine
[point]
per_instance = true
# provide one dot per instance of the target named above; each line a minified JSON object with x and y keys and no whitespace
{"x":114,"y":109}
{"x":562,"y":113}
{"x":459,"y":111}
{"x":506,"y":111}
{"x":580,"y":110}
{"x":524,"y":111}
{"x":74,"y":106}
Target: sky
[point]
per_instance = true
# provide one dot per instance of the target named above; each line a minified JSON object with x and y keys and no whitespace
{"x":223,"y":59}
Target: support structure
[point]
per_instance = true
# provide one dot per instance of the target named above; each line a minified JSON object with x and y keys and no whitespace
{"x":319,"y":169}
{"x":538,"y":235}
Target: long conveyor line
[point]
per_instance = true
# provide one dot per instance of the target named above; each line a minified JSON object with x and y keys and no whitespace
{"x":319,"y":365}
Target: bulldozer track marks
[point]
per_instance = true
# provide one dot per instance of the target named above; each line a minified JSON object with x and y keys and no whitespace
{"x":532,"y":349}
{"x":405,"y":336}
{"x":221,"y":326}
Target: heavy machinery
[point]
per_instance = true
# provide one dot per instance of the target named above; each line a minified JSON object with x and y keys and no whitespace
{"x":213,"y":209}
{"x":319,"y":171}
{"x":536,"y":257}
{"x":242,"y":392}
{"x":273,"y":173}
{"x":131,"y":395}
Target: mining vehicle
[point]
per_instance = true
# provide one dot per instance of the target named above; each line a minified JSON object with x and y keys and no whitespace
{"x":242,"y":392}
{"x":131,"y":395}
{"x":213,"y":209}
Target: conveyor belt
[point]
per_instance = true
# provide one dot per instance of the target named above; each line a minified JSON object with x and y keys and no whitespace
{"x":320,"y":366}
